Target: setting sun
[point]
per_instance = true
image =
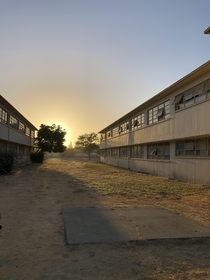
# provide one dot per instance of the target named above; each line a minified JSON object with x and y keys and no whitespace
{"x":68,"y":137}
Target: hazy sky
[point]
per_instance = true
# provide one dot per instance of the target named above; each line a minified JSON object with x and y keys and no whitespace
{"x":85,"y":63}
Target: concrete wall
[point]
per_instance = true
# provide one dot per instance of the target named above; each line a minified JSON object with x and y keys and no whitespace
{"x":12,"y":135}
{"x":187,"y":170}
{"x":4,"y":132}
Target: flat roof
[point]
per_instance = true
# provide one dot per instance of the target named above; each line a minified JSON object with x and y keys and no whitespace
{"x":207,"y":31}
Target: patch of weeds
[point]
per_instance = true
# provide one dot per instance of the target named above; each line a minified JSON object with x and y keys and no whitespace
{"x":176,"y":211}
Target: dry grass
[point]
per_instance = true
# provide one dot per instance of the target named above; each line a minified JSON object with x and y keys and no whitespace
{"x":113,"y":180}
{"x":32,"y":239}
{"x":135,"y":189}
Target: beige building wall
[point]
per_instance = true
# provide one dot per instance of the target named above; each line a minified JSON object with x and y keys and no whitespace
{"x":191,"y":122}
{"x":13,"y":138}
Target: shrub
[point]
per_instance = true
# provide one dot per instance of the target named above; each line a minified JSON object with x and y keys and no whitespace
{"x":6,"y":161}
{"x":37,"y":157}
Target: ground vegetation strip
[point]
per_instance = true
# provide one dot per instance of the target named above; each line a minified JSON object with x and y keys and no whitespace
{"x":32,"y":239}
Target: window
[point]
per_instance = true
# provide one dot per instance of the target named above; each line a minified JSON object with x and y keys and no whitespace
{"x":115,"y":131}
{"x":207,"y":88}
{"x":137,"y":122}
{"x":108,"y":152}
{"x":188,"y":97}
{"x":158,"y":113}
{"x":22,"y":127}
{"x":32,"y":134}
{"x":201,"y":147}
{"x":189,"y":147}
{"x":123,"y":151}
{"x":108,"y":134}
{"x":27,"y":131}
{"x":193,"y":95}
{"x":194,"y":147}
{"x":3,"y":116}
{"x":180,"y":148}
{"x":137,"y":151}
{"x":103,"y":136}
{"x":102,"y":152}
{"x":199,"y":93}
{"x":124,"y":127}
{"x":159,"y":151}
{"x":114,"y":152}
{"x":13,"y":122}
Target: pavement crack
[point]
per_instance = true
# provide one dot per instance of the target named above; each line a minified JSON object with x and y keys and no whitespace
{"x":139,"y":234}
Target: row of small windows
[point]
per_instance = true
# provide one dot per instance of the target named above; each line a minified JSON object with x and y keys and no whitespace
{"x":160,"y":112}
{"x":193,"y":95}
{"x":195,"y":147}
{"x":14,"y":123}
{"x":154,"y":151}
{"x":15,"y":148}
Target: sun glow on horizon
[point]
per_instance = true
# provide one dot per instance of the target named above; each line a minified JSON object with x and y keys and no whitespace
{"x":68,"y":137}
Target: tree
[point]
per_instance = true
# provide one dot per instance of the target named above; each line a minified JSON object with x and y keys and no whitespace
{"x":87,"y":143}
{"x":50,"y":139}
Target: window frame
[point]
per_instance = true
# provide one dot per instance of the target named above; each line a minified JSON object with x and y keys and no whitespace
{"x":137,"y":122}
{"x":3,"y":116}
{"x":137,"y":151}
{"x":123,"y":152}
{"x":115,"y":131}
{"x":123,"y":128}
{"x":159,"y":112}
{"x":21,"y":127}
{"x":195,"y":95}
{"x":13,"y":122}
{"x":193,"y":147}
{"x":27,"y":131}
{"x":158,"y":151}
{"x":108,"y":134}
{"x":114,"y":152}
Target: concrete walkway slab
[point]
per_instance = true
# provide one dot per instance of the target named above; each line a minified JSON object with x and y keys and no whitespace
{"x":100,"y":225}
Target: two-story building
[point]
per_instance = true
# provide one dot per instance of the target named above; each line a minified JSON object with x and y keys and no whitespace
{"x":16,"y":132}
{"x":168,"y":135}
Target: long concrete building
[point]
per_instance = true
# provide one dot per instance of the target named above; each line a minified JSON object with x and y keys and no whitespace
{"x":168,"y":135}
{"x":16,"y":132}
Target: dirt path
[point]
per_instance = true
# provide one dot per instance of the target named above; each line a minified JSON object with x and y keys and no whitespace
{"x":32,"y":241}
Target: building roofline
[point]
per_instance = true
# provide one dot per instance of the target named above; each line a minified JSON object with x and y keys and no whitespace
{"x":164,"y":92}
{"x":17,"y":113}
{"x":207,"y":31}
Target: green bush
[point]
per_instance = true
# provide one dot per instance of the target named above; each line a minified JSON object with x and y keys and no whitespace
{"x":6,"y":161}
{"x":37,"y":157}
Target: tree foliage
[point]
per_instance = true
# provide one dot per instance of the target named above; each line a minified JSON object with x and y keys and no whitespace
{"x":50,"y":139}
{"x":87,"y":143}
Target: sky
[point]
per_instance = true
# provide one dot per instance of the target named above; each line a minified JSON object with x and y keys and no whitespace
{"x":83,"y":64}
